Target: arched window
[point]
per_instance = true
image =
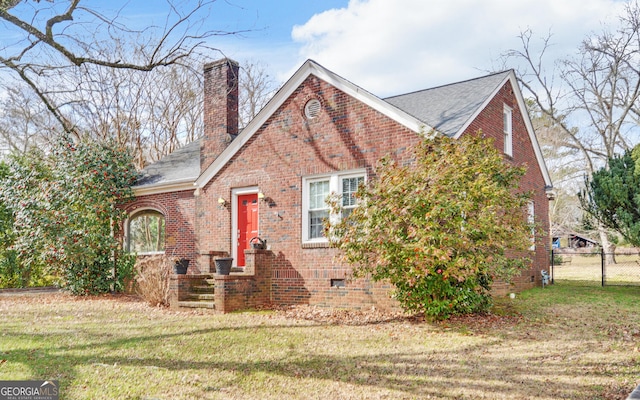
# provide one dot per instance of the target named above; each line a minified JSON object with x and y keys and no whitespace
{"x":146,"y":232}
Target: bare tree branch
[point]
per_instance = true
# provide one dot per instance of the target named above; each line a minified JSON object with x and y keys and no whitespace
{"x":53,"y":44}
{"x":596,"y":105}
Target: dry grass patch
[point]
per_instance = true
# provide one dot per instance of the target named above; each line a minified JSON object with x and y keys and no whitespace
{"x":560,"y":342}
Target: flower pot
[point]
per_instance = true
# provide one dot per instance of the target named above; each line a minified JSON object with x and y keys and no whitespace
{"x":223,"y":265}
{"x":180,"y":267}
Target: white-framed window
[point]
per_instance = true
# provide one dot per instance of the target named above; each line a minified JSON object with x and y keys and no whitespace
{"x":315,"y":192}
{"x":146,"y":232}
{"x":349,"y":188}
{"x":507,"y":119}
{"x":318,"y":208}
{"x":531,"y":220}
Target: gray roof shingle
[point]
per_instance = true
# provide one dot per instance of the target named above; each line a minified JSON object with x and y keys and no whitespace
{"x":181,"y":165}
{"x":447,"y":108}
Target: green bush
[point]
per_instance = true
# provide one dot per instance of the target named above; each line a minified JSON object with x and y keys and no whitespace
{"x":440,"y":229}
{"x":557,"y":259}
{"x":64,"y":213}
{"x":441,"y":298}
{"x":99,"y":276}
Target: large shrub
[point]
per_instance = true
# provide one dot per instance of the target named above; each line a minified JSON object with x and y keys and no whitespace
{"x":440,"y":229}
{"x":13,"y":272}
{"x":65,"y":212}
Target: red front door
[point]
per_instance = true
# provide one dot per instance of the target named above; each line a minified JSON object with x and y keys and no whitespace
{"x":247,"y":224}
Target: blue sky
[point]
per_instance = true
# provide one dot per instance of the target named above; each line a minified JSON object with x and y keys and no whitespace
{"x":387,"y":47}
{"x":390,"y":47}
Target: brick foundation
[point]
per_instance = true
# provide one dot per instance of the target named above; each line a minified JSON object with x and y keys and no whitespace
{"x":247,"y":290}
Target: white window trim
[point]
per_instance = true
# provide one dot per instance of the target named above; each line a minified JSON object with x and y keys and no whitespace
{"x":127,"y":222}
{"x":507,"y":118}
{"x":335,"y":186}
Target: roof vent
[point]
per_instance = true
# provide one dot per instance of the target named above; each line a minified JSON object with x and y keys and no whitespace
{"x":312,"y":108}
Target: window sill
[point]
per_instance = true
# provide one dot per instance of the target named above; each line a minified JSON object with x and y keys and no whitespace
{"x":149,"y":253}
{"x":315,"y":245}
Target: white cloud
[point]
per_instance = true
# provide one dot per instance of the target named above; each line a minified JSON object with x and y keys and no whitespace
{"x":391,"y":47}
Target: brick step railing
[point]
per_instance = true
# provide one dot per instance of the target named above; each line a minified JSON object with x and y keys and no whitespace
{"x":245,"y":288}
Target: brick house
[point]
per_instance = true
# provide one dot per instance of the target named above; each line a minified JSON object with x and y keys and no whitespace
{"x":320,"y":133}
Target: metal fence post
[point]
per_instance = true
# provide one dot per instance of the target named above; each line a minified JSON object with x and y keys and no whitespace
{"x":603,"y":261}
{"x":552,"y":265}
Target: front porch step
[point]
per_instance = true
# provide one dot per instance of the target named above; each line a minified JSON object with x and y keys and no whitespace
{"x":197,"y":304}
{"x":202,"y":296}
{"x":203,"y":289}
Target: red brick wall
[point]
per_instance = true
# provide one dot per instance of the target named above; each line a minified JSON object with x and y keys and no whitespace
{"x":346,"y":135}
{"x":240,"y":292}
{"x":533,"y":181}
{"x":179,"y":211}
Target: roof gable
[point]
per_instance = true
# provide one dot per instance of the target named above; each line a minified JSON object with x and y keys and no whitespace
{"x":310,"y":67}
{"x":448,"y":109}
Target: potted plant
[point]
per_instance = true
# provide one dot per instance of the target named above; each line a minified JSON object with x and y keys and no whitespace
{"x":223,"y":265}
{"x":180,"y":266}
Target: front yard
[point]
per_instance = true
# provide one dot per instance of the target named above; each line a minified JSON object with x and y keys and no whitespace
{"x":563,"y":342}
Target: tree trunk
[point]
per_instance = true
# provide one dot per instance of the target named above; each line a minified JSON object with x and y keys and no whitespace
{"x":608,"y":247}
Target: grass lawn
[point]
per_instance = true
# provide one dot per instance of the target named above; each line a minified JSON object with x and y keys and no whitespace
{"x":561,"y":342}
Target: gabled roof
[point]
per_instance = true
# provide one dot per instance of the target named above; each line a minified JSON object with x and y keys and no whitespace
{"x":446,"y":109}
{"x":310,"y":67}
{"x":449,"y":109}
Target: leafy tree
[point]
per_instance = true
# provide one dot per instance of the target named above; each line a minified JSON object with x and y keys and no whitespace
{"x":13,"y":272}
{"x":612,"y":195}
{"x":9,"y":274}
{"x":66,"y":214}
{"x":440,"y":229}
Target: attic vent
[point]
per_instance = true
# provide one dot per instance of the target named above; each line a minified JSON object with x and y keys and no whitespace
{"x":312,"y":108}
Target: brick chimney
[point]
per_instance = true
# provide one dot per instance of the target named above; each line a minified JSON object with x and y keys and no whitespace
{"x":220,"y":108}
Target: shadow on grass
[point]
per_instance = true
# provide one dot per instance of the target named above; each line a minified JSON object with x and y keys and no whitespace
{"x":497,"y":366}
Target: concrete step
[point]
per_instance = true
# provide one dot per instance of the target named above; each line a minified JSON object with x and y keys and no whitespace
{"x":197,"y":304}
{"x":203,"y":289}
{"x":202,"y":296}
